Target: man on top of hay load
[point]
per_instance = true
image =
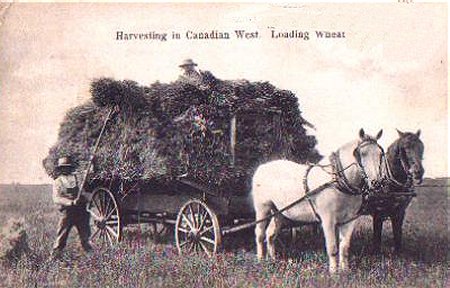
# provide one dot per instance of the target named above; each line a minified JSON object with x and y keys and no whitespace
{"x":72,"y":212}
{"x":190,"y":74}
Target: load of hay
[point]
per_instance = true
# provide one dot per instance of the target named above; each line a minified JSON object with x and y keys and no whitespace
{"x":167,"y":130}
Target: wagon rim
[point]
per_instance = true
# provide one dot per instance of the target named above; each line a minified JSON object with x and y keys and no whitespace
{"x":105,"y":220}
{"x":197,"y":229}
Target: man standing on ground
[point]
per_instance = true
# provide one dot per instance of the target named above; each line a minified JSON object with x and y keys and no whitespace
{"x":72,"y":211}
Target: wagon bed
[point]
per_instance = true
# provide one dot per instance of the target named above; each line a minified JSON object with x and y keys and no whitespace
{"x":194,"y":209}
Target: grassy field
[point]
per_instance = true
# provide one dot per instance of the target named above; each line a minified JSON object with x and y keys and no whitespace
{"x":140,"y":262}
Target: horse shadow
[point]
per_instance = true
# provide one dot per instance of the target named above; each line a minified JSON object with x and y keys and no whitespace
{"x":427,"y":250}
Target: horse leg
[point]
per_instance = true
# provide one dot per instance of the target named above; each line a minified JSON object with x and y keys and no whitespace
{"x":262,"y":211}
{"x":377,"y":229}
{"x":345,"y":236}
{"x":271,"y":233}
{"x":329,"y":231}
{"x":397,"y":223}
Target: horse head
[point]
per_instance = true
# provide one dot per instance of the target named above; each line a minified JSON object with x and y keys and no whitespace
{"x":369,"y":156}
{"x":407,"y":153}
{"x":363,"y":161}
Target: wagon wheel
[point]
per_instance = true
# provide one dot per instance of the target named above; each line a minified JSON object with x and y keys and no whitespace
{"x":106,"y":229}
{"x":197,"y":229}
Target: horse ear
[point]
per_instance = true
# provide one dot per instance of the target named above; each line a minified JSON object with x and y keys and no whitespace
{"x":362,"y":133}
{"x":400,"y":133}
{"x":418,"y":133}
{"x":379,"y":134}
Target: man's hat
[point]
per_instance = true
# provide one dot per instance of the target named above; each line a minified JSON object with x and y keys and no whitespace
{"x":188,"y":62}
{"x":65,"y":162}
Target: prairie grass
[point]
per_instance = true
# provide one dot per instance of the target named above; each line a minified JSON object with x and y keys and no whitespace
{"x":140,"y":262}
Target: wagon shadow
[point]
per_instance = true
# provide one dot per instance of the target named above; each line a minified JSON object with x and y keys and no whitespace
{"x":308,"y":239}
{"x":146,"y":233}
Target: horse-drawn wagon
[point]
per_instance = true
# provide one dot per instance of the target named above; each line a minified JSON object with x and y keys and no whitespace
{"x":183,"y":156}
{"x":199,"y":214}
{"x":178,"y":155}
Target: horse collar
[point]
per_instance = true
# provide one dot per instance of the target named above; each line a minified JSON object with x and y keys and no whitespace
{"x":339,"y":176}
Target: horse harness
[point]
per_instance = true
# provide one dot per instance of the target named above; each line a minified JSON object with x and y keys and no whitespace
{"x":396,"y":195}
{"x":341,"y":182}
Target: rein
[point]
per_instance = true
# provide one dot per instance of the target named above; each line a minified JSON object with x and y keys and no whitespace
{"x":339,"y":171}
{"x":408,"y":183}
{"x":339,"y":178}
{"x":278,"y":212}
{"x":392,"y":179}
{"x":339,"y":175}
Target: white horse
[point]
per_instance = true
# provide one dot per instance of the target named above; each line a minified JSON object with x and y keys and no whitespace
{"x":333,"y":201}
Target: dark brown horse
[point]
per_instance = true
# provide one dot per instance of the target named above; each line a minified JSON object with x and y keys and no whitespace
{"x":404,"y":158}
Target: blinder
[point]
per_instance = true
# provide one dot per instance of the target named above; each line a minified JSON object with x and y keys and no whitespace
{"x":357,"y":154}
{"x":378,"y":185}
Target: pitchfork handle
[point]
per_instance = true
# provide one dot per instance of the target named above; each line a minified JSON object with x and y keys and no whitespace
{"x":91,"y":159}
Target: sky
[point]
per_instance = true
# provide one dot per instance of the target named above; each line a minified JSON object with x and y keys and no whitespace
{"x":390,"y":70}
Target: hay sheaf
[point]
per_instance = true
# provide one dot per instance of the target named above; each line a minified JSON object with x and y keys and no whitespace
{"x":13,"y":241}
{"x":166,"y":130}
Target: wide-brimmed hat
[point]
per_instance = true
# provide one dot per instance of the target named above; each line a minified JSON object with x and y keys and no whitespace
{"x":188,"y":62}
{"x":65,"y":162}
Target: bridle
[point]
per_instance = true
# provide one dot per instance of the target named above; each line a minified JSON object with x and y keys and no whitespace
{"x":341,"y":181}
{"x":339,"y":171}
{"x":357,"y":154}
{"x":405,"y":166}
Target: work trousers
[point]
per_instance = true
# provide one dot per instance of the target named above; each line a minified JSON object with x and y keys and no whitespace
{"x":73,"y":216}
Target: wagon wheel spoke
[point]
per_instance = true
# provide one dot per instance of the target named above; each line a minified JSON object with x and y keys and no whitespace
{"x":94,"y":214}
{"x":97,"y":207}
{"x":97,"y":232}
{"x":198,"y":215}
{"x":206,"y":230}
{"x":203,"y":220}
{"x":111,"y":213}
{"x":102,"y":238}
{"x":210,"y":241}
{"x":102,"y":202}
{"x":183,"y":230}
{"x":111,"y":231}
{"x":111,"y":222}
{"x":108,"y":234}
{"x":191,"y":213}
{"x":205,"y":249}
{"x":107,"y":205}
{"x":184,"y":243}
{"x":188,"y":221}
{"x":192,"y":247}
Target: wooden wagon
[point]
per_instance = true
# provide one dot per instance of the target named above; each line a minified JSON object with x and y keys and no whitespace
{"x":200,"y":215}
